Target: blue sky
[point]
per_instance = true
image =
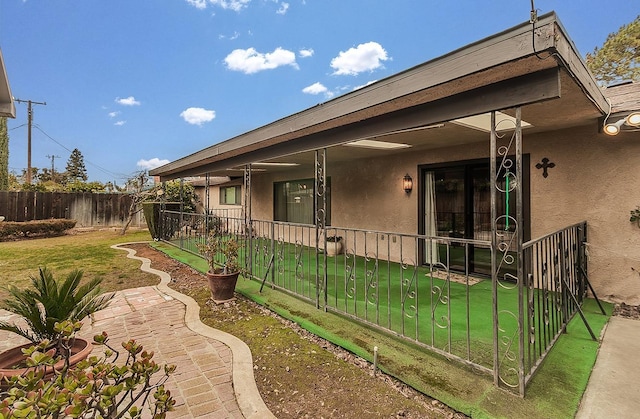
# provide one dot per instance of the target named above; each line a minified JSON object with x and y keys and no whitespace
{"x":134,"y":83}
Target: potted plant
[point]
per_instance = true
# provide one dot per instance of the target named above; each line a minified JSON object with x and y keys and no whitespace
{"x":222,"y":275}
{"x":40,"y":308}
{"x":334,"y":245}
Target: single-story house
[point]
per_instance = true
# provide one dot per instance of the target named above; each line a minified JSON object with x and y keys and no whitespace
{"x":402,"y":170}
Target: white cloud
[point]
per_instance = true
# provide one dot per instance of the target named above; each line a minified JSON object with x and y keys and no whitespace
{"x":151,"y":163}
{"x":199,"y":4}
{"x":235,"y":35}
{"x":198,"y":116}
{"x":251,"y":61}
{"x":315,"y":89}
{"x":305,"y":53}
{"x":364,"y":85}
{"x":318,"y":88}
{"x":120,"y":123}
{"x":114,"y":114}
{"x":365,"y":57}
{"x":128,"y":101}
{"x":283,"y":8}
{"x":235,"y":5}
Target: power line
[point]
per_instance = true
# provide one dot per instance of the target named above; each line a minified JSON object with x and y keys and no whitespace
{"x":102,"y":169}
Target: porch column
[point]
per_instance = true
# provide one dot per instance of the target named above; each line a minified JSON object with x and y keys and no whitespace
{"x":506,"y":255}
{"x":320,"y":199}
{"x":181,"y":218}
{"x":206,"y":198}
{"x":163,"y":216}
{"x":248,"y":222}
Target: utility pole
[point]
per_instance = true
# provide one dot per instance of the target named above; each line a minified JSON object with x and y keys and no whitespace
{"x":53,"y":167}
{"x":29,"y":123}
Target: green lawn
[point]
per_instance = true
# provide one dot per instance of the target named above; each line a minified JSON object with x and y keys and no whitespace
{"x":88,"y":251}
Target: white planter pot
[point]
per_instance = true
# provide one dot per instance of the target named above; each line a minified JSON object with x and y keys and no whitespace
{"x":334,"y":248}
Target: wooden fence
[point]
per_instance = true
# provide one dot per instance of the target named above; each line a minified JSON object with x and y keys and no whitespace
{"x":88,"y":209}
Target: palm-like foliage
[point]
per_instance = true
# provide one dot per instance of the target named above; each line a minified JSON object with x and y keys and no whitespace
{"x":50,"y":302}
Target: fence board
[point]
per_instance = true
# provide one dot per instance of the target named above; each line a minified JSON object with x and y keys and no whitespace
{"x":89,"y":209}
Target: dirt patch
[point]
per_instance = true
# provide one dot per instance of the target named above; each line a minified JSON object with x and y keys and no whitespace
{"x":298,"y":374}
{"x":624,"y":310}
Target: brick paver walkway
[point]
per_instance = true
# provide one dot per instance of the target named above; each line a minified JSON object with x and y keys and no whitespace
{"x":214,"y":375}
{"x":202,"y":383}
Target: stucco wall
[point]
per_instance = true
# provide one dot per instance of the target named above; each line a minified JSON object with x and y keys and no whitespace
{"x":594,"y":179}
{"x":214,"y":201}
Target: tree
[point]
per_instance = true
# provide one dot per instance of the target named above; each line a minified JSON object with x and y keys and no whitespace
{"x":171,"y":193}
{"x":79,"y":186}
{"x":4,"y":155}
{"x":75,"y":167}
{"x":138,"y":193}
{"x":618,"y":58}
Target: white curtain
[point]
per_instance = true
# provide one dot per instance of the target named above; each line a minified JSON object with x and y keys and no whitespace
{"x":430,"y":226}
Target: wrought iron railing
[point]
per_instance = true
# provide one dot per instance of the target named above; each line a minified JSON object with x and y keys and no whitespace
{"x":554,"y":290}
{"x":404,"y":284}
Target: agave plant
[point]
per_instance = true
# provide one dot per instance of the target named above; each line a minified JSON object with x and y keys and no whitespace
{"x":50,"y":302}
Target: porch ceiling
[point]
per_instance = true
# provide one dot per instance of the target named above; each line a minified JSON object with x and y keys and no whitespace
{"x":419,"y":107}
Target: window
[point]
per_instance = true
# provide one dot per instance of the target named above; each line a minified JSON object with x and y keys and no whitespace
{"x":230,"y":195}
{"x":293,"y":201}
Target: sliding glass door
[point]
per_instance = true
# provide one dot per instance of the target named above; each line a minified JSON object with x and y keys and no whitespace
{"x":457,"y":204}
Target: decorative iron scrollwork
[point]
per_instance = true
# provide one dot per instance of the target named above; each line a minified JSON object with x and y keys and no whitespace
{"x":350,"y":273}
{"x":371,"y":278}
{"x":410,"y":284}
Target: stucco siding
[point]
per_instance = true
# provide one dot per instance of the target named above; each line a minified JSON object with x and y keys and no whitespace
{"x":594,"y":179}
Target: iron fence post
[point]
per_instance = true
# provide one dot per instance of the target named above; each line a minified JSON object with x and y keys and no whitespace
{"x":494,"y":241}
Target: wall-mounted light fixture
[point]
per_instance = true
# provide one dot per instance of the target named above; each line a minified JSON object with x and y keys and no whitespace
{"x":407,"y":183}
{"x":632,"y":120}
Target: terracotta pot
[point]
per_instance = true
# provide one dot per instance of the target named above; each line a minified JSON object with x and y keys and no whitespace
{"x":222,"y":285}
{"x":80,"y":350}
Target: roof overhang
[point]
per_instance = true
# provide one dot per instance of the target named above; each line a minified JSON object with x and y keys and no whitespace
{"x":7,"y":106}
{"x":534,"y":66}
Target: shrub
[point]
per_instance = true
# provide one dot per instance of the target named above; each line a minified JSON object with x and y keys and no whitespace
{"x":49,"y":302}
{"x":97,"y":387}
{"x":39,"y":228}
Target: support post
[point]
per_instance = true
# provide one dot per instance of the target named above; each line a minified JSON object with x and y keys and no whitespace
{"x":519,"y":242}
{"x":507,"y":238}
{"x":494,"y":265}
{"x":180,"y":218}
{"x":207,"y":213}
{"x":248,"y":222}
{"x":320,"y":221}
